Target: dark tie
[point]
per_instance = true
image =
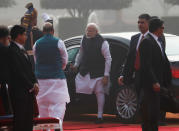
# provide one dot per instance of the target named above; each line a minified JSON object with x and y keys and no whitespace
{"x":137,"y":60}
{"x":162,"y":45}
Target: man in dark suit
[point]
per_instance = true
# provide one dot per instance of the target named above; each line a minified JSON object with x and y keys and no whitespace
{"x":130,"y":71}
{"x":155,"y":74}
{"x":4,"y":72}
{"x":23,"y":84}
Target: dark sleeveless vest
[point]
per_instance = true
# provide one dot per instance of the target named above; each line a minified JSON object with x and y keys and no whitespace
{"x":92,"y":60}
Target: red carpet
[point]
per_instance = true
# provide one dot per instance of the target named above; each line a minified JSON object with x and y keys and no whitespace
{"x":79,"y":126}
{"x":85,"y":123}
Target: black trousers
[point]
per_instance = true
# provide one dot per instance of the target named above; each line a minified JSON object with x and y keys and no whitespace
{"x":5,"y":100}
{"x":23,"y":112}
{"x":150,"y":111}
{"x":137,"y":83}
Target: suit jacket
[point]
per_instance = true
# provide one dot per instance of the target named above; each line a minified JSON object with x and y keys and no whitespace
{"x":154,"y":66}
{"x":22,"y":77}
{"x":4,"y":74}
{"x":130,"y":61}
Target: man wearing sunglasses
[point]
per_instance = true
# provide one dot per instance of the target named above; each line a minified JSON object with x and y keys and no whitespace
{"x":155,"y":73}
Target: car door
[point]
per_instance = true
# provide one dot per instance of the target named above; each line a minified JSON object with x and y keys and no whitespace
{"x":70,"y":74}
{"x":118,"y":52}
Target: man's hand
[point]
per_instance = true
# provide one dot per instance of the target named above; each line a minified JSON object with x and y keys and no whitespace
{"x":30,"y":52}
{"x":120,"y":81}
{"x":105,"y":80}
{"x":74,"y":68}
{"x":35,"y":89}
{"x":156,"y":87}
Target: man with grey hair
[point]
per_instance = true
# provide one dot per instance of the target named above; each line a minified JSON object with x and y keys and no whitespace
{"x":50,"y":60}
{"x":94,"y":59}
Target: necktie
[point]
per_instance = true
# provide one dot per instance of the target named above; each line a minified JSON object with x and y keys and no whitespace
{"x":162,"y":46}
{"x":162,"y":43}
{"x":137,"y":60}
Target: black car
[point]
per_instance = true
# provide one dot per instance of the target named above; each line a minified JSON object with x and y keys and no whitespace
{"x":121,"y":100}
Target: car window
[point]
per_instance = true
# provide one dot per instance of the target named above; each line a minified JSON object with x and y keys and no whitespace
{"x":72,"y":54}
{"x":118,"y":52}
{"x":172,"y":46}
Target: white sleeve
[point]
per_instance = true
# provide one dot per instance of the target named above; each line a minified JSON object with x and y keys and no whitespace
{"x":63,"y":53}
{"x":34,"y":47}
{"x":107,"y":56}
{"x":79,"y":56}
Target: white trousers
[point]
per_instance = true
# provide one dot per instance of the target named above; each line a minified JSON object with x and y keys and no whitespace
{"x":100,"y":96}
{"x":52,"y":111}
{"x":86,"y":85}
{"x":52,"y":98}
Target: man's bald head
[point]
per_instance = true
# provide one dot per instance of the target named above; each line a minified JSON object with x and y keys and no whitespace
{"x":92,"y":30}
{"x":48,"y":28}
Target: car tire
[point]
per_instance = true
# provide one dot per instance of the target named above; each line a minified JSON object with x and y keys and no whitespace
{"x":126,"y":104}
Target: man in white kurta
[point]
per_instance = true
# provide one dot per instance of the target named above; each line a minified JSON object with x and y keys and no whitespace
{"x":50,"y":60}
{"x":90,"y":79}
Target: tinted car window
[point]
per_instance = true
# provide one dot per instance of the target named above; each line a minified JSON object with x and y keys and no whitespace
{"x":72,"y":54}
{"x":118,"y":52}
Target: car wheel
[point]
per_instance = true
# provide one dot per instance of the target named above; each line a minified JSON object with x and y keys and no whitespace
{"x":127,"y":105}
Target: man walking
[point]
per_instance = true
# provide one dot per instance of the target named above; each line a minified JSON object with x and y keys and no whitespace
{"x":94,"y":59}
{"x":50,"y":60}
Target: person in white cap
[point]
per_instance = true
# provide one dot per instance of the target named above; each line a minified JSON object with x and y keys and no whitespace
{"x":47,"y":18}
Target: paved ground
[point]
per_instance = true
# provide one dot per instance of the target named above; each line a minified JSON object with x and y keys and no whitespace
{"x":86,"y":123}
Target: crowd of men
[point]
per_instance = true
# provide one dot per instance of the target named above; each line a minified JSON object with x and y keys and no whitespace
{"x":147,"y":66}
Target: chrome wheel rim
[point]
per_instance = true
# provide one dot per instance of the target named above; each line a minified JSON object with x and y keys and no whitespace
{"x":126,"y":103}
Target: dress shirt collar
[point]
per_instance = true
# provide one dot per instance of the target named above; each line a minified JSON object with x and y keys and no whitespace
{"x":140,"y":37}
{"x":158,"y":42}
{"x":19,"y":45}
{"x":146,"y":33}
{"x":154,"y":36}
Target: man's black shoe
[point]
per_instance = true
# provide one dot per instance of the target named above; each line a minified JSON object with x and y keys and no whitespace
{"x":99,"y":121}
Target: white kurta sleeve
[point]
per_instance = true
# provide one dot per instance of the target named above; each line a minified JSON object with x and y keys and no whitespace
{"x":107,"y":56}
{"x":79,"y":56}
{"x":63,"y":53}
{"x":34,"y":51}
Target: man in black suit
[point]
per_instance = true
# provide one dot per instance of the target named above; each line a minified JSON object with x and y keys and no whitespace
{"x":162,"y":102}
{"x":4,"y":72}
{"x":130,"y":71}
{"x":23,"y":84}
{"x":155,"y":74}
